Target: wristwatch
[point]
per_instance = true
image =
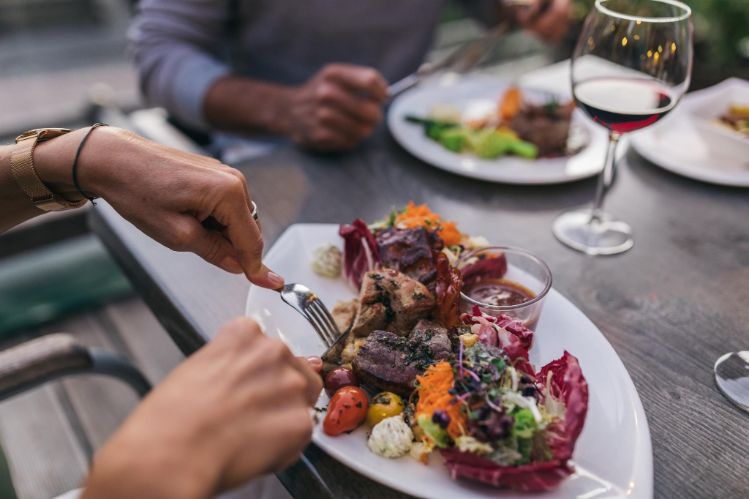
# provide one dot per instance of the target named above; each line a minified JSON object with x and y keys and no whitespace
{"x":22,"y":168}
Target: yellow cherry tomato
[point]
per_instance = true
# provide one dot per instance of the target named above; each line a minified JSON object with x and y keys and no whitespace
{"x":383,"y":405}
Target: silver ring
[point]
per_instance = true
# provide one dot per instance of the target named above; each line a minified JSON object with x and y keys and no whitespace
{"x":254,"y":211}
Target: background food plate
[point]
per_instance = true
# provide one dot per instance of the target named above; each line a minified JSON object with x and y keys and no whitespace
{"x":613,"y":455}
{"x":507,"y":169}
{"x":688,"y":144}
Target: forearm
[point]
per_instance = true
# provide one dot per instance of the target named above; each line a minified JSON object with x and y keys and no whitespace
{"x":251,"y":106}
{"x":53,"y":161}
{"x":131,"y":466}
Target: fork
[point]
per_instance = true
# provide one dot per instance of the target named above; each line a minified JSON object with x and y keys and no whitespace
{"x":459,"y":61}
{"x":307,"y":303}
{"x":463,"y":59}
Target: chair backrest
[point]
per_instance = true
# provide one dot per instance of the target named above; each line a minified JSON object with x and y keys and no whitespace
{"x":35,"y":362}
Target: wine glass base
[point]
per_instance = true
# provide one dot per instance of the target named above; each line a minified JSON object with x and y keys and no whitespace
{"x":732,"y":377}
{"x":602,"y":236}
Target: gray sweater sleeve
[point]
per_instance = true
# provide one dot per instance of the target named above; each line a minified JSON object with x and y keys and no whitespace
{"x":178,"y":47}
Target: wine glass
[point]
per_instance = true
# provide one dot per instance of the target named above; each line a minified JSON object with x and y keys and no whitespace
{"x":631,"y":65}
{"x":732,"y":377}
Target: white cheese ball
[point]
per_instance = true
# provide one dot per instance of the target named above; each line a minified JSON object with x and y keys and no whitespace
{"x":326,"y":261}
{"x":391,"y":437}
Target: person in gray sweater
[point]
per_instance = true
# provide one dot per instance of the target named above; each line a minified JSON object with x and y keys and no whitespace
{"x":314,"y":71}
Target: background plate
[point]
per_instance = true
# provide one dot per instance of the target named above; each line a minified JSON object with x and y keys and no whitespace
{"x":688,"y":144}
{"x":613,"y":455}
{"x":508,"y":169}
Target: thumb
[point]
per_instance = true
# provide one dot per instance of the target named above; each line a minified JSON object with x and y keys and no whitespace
{"x":266,"y":278}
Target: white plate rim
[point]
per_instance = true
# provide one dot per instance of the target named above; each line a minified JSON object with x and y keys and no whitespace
{"x":640,"y":486}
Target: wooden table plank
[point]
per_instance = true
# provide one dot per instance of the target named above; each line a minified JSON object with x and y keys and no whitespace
{"x":148,"y":344}
{"x":101,"y":403}
{"x":50,"y":451}
{"x":43,"y":451}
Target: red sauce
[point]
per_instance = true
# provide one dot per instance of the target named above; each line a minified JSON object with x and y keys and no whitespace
{"x":502,"y":292}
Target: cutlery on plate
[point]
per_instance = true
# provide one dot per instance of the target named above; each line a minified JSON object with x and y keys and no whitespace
{"x":461,"y":60}
{"x":309,"y":305}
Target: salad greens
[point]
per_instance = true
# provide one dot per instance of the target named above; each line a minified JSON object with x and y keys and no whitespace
{"x":487,"y":143}
{"x":504,"y":406}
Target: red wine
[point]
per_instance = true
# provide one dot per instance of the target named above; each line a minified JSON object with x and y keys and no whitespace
{"x":623,"y":104}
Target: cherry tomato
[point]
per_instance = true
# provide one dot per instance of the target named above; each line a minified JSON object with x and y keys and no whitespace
{"x":384,"y":405}
{"x":338,"y":378}
{"x":346,"y":411}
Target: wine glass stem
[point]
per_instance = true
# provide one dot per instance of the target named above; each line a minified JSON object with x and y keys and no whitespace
{"x":606,"y":178}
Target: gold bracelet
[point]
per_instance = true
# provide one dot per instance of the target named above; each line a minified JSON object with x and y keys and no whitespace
{"x":24,"y":173}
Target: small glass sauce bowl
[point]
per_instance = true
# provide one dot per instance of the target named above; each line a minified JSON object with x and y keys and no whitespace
{"x":519,"y":292}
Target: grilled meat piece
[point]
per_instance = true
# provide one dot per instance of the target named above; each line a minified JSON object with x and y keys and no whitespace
{"x":409,"y":251}
{"x":392,"y":301}
{"x":434,"y":336}
{"x":386,"y":361}
{"x":344,"y":313}
{"x":547,"y":126}
{"x":381,"y":363}
{"x":371,"y":316}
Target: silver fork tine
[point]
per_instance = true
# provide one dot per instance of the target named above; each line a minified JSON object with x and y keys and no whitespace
{"x":318,"y":321}
{"x":329,"y":333}
{"x":329,"y":321}
{"x":298,"y":300}
{"x":314,"y":322}
{"x":307,"y":303}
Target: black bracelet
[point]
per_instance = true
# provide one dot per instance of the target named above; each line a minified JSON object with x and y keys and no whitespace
{"x":75,"y":163}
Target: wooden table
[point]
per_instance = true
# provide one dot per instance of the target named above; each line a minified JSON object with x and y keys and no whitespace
{"x":670,"y":306}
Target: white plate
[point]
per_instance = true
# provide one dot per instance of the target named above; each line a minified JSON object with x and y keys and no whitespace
{"x":613,"y":455}
{"x":688,"y":144}
{"x":465,"y":92}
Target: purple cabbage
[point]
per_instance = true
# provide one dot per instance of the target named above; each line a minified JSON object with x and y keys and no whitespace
{"x":360,"y":252}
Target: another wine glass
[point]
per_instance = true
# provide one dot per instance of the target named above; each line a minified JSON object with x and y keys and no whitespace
{"x":732,"y":377}
{"x":631,"y":65}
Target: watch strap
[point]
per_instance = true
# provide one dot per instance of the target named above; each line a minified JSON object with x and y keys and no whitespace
{"x":24,"y":173}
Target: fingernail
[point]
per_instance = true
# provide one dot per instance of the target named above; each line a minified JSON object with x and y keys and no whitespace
{"x":275,"y":280}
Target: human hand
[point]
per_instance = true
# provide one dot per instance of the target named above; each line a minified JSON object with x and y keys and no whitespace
{"x":337,"y":108}
{"x":185,"y":201}
{"x":236,"y":409}
{"x":549,"y":19}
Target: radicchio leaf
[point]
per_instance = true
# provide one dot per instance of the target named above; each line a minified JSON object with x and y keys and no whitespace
{"x":566,"y":384}
{"x":493,"y":267}
{"x":500,"y":331}
{"x":360,"y":253}
{"x":569,"y":386}
{"x":447,"y":292}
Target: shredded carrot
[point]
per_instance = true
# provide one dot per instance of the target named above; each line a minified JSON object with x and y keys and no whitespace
{"x":421,"y":216}
{"x":433,"y":395}
{"x":509,"y":105}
